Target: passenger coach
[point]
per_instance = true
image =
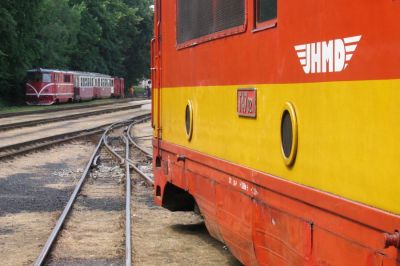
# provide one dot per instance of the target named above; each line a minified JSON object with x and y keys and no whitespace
{"x":280,"y":122}
{"x":48,"y":86}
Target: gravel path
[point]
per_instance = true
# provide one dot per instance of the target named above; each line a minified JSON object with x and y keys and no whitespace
{"x":161,"y":237}
{"x":94,"y":231}
{"x":34,"y":190}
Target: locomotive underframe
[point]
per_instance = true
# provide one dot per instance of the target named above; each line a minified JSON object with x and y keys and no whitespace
{"x":274,"y":221}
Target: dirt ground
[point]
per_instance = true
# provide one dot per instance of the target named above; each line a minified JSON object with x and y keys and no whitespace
{"x":35,"y":188}
{"x":33,"y":191}
{"x":161,"y":237}
{"x":94,"y":231}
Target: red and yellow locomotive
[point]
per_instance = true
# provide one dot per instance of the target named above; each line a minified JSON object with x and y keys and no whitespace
{"x":280,"y":121}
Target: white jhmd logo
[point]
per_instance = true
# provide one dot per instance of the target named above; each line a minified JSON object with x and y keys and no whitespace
{"x":327,"y":56}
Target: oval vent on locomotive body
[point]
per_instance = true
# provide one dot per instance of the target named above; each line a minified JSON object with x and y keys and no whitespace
{"x":289,"y":134}
{"x":189,"y":120}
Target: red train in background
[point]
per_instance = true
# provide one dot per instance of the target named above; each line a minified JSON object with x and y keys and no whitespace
{"x":49,"y":86}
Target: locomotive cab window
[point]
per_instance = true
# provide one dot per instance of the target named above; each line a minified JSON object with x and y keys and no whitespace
{"x":265,"y":14}
{"x":204,"y":20}
{"x":35,"y":77}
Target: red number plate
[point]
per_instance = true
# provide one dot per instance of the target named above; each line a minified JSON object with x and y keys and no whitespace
{"x":247,"y":102}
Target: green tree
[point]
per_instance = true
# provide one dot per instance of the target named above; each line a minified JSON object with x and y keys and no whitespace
{"x":105,"y":36}
{"x":86,"y":55}
{"x":18,"y":45}
{"x":57,"y":34}
{"x":137,"y":49}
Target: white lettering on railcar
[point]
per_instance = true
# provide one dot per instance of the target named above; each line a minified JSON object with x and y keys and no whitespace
{"x":242,"y":185}
{"x":327,"y":56}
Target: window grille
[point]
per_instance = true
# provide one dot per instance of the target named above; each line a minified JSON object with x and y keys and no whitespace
{"x":198,"y":18}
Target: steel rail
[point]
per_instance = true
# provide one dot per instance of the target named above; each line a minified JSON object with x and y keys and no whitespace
{"x":52,"y":140}
{"x":66,"y":117}
{"x":128,"y":229}
{"x":47,"y":144}
{"x":113,"y":153}
{"x":66,"y":108}
{"x":46,"y":249}
{"x":148,"y":154}
{"x":148,"y":179}
{"x":144,"y":137}
{"x":53,"y":236}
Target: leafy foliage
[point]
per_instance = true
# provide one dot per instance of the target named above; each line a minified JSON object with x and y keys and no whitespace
{"x":105,"y":36}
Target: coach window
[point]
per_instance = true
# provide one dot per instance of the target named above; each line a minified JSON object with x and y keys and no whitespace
{"x":265,"y":14}
{"x":67,"y":78}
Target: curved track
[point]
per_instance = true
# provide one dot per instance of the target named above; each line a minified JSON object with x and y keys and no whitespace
{"x":124,"y":159}
{"x":37,"y":119}
{"x":61,"y":109}
{"x":25,"y":140}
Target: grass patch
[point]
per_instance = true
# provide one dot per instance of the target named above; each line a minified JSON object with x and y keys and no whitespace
{"x":140,"y":91}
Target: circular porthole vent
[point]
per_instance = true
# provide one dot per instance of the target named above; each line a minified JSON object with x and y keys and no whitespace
{"x":289,"y":134}
{"x":189,"y":120}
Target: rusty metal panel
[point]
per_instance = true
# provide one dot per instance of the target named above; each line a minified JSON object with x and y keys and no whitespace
{"x":281,"y":238}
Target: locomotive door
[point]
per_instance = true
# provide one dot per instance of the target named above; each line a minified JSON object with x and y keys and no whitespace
{"x":156,"y":73}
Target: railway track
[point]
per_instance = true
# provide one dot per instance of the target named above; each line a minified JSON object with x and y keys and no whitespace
{"x":35,"y":122}
{"x":10,"y":151}
{"x":116,"y":142}
{"x":62,"y":109}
